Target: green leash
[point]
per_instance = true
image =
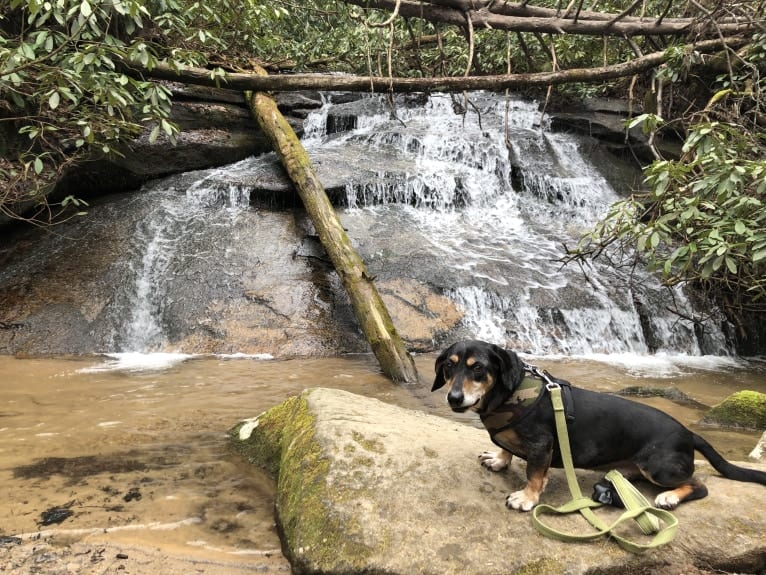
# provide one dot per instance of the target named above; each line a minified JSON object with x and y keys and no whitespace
{"x":636,"y":505}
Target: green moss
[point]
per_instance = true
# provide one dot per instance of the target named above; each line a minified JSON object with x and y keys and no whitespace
{"x":742,"y":409}
{"x":541,"y":567}
{"x":363,"y":462}
{"x":262,"y":440}
{"x":744,"y":526}
{"x":372,"y":445}
{"x":315,"y":539}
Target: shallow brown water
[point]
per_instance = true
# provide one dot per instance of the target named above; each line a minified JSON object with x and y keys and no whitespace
{"x":142,"y":461}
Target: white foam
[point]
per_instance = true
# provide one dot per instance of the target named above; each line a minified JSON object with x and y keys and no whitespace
{"x":248,"y":426}
{"x":136,"y":361}
{"x":154,"y":526}
{"x":661,"y":364}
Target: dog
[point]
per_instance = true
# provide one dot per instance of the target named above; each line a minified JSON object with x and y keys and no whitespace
{"x":605,"y":431}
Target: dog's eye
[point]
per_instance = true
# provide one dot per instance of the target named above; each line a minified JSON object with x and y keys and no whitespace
{"x":448,"y":365}
{"x":478,"y":370}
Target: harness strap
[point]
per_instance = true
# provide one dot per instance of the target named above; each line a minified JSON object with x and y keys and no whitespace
{"x":637,"y":507}
{"x":566,"y":390}
{"x":504,"y":414}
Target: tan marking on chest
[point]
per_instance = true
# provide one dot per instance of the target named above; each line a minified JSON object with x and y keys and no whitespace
{"x":509,"y":440}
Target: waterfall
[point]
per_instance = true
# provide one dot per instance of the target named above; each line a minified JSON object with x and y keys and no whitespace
{"x":492,"y":195}
{"x":476,"y":205}
{"x":155,"y":246}
{"x":159,"y":245}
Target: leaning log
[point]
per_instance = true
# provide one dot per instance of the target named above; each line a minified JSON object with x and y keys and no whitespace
{"x":369,"y":308}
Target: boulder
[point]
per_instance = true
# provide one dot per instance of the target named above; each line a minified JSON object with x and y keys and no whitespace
{"x":364,"y":486}
{"x":741,"y":409}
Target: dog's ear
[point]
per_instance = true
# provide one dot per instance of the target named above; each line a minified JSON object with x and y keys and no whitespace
{"x":439,"y":381}
{"x":511,"y":367}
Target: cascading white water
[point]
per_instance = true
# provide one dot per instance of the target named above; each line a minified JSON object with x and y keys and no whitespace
{"x":476,"y":205}
{"x":160,"y":241}
{"x":143,"y":330}
{"x":493,"y":217}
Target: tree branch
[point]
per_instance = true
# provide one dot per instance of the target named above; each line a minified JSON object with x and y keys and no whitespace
{"x":522,"y":18}
{"x":496,"y":83}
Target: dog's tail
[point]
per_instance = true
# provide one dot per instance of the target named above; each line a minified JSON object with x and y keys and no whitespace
{"x":728,"y":470}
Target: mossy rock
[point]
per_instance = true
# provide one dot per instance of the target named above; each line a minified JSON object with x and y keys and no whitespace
{"x":741,"y":409}
{"x":282,"y":440}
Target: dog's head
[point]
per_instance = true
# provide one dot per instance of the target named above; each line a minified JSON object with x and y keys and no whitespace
{"x":475,"y":371}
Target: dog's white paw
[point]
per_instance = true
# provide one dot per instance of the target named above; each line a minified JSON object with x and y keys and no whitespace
{"x":494,"y":460}
{"x":521,"y":500}
{"x":667,"y":500}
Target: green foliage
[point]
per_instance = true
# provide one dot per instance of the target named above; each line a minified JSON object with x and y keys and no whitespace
{"x":703,"y":220}
{"x":710,"y":207}
{"x":65,"y":86}
{"x":64,"y":89}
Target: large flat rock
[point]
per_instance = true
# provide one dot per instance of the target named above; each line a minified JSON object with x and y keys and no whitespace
{"x":363,"y":486}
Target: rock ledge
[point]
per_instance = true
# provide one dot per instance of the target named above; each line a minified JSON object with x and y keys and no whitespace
{"x":364,"y":486}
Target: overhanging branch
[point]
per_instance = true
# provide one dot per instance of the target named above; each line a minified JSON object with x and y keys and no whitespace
{"x":496,"y":83}
{"x":515,"y":17}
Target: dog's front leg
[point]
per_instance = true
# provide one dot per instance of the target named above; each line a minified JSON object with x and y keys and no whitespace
{"x":496,"y":460}
{"x":525,"y":499}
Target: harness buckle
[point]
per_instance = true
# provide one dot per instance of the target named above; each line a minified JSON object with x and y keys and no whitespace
{"x":542,"y":374}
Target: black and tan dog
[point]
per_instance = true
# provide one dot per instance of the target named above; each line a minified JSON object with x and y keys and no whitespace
{"x":605,"y":431}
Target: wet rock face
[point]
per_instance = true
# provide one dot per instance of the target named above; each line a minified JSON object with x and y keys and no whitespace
{"x":153,"y":270}
{"x":252,"y":283}
{"x":215,"y":129}
{"x":420,"y":314}
{"x":149,"y":272}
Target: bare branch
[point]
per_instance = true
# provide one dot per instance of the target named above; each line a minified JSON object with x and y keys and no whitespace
{"x":626,"y":12}
{"x":388,"y":22}
{"x":497,"y":83}
{"x":523,"y":18}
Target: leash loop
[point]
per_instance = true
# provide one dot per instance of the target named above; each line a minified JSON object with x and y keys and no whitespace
{"x":637,"y":506}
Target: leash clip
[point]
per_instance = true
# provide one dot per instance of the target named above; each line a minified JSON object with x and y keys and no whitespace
{"x":551,"y":385}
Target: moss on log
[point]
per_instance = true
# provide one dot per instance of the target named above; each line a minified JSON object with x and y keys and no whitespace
{"x":369,"y":308}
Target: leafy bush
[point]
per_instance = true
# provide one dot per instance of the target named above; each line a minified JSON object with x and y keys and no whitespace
{"x":64,"y":89}
{"x":703,"y":218}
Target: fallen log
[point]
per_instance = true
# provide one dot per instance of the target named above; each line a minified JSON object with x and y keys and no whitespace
{"x":369,"y":308}
{"x":381,"y":84}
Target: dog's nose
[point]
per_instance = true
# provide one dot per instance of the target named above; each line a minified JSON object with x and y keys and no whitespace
{"x":455,"y":397}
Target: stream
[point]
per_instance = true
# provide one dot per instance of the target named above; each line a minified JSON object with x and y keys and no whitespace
{"x":135,"y":447}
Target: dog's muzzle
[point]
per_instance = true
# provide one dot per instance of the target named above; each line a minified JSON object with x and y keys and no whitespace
{"x":458,"y":401}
